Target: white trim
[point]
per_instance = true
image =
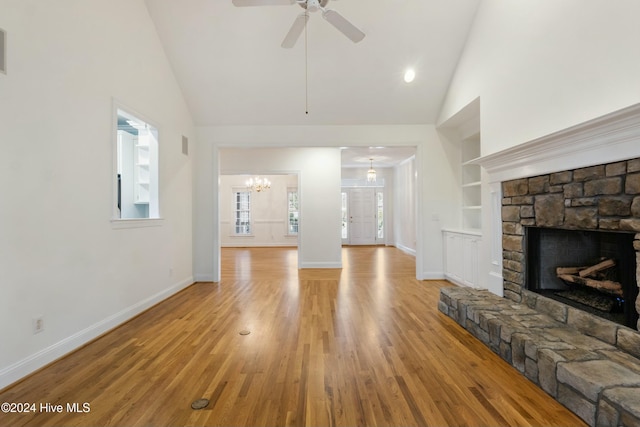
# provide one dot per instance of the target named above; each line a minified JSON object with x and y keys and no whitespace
{"x":203,"y":278}
{"x":496,"y":283}
{"x":29,"y":364}
{"x":320,"y":265}
{"x":610,"y":138}
{"x":3,"y":52}
{"x":122,"y":223}
{"x":406,"y":249}
{"x":433,"y":275}
{"x":258,"y":244}
{"x":465,"y":232}
{"x":455,"y":280}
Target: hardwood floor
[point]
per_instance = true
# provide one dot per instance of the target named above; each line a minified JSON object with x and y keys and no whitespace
{"x":361,"y":346}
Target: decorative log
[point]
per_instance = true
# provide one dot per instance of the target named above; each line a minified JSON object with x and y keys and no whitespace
{"x":568,"y":270}
{"x":605,"y":286}
{"x":607,"y":263}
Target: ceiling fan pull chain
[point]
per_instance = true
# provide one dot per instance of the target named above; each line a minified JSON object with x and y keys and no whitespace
{"x":306,"y":73}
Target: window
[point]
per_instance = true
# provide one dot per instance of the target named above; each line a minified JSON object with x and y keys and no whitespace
{"x":136,"y":172}
{"x":380,"y":214}
{"x":242,"y":203}
{"x":293,"y":210}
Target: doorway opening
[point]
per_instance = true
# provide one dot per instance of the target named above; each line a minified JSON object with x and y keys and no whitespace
{"x":266,"y":218}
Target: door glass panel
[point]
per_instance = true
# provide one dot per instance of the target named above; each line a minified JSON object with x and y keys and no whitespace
{"x":380,"y":215}
{"x":345,"y":219}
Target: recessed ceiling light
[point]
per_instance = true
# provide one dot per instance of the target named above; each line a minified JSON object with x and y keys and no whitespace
{"x":409,"y":75}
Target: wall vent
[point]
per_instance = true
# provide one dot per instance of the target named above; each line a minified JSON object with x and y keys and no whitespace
{"x":3,"y":51}
{"x":185,"y":145}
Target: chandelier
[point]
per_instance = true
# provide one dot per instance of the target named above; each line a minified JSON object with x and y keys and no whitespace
{"x":371,"y":173}
{"x":258,"y":184}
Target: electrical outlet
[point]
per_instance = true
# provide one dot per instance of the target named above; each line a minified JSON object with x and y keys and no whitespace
{"x":38,"y":325}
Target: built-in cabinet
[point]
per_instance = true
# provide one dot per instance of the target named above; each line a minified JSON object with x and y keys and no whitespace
{"x":461,"y":255}
{"x":462,"y":243}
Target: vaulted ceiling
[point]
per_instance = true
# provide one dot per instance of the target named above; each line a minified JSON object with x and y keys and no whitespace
{"x":232,"y":70}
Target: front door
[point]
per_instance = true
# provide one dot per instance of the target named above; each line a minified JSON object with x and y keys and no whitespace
{"x":362,"y":216}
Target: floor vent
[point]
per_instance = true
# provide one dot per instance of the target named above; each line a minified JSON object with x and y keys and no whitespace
{"x":185,"y":145}
{"x":3,"y":51}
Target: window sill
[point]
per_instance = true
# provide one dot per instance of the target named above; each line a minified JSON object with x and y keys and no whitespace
{"x":122,"y":223}
{"x":241,"y":235}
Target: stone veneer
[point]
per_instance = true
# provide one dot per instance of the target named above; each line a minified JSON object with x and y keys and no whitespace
{"x":604,"y":197}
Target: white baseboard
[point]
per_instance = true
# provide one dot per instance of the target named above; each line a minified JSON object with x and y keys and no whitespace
{"x":433,"y":275}
{"x":455,"y":280}
{"x":321,"y":265}
{"x":406,"y":249}
{"x":26,"y":366}
{"x":254,"y":244}
{"x":203,"y":278}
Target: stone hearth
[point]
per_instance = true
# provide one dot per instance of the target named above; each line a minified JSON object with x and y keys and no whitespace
{"x":555,"y":347}
{"x":603,"y":198}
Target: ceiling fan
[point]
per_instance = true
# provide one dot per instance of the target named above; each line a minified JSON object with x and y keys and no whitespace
{"x":333,"y":17}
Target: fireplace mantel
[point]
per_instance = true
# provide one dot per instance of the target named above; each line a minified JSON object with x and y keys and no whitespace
{"x":606,"y":139}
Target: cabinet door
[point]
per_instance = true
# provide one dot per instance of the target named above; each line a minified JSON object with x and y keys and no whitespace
{"x":453,"y":260}
{"x":470,"y":255}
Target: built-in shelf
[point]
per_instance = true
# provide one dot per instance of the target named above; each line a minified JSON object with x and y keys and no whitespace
{"x":471,"y":182}
{"x":141,"y":174}
{"x":463,"y":131}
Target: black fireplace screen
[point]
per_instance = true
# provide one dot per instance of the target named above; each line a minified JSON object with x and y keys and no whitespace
{"x":591,"y":270}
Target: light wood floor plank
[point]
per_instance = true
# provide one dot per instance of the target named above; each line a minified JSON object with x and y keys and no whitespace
{"x":360,"y":346}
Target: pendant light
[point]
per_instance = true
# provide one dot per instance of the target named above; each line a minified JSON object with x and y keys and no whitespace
{"x":371,"y":173}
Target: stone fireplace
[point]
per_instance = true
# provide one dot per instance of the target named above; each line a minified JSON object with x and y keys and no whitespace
{"x":552,"y":220}
{"x":571,"y":218}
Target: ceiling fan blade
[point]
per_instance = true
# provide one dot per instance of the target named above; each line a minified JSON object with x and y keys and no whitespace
{"x":294,"y":32}
{"x":344,"y":26}
{"x":242,"y":3}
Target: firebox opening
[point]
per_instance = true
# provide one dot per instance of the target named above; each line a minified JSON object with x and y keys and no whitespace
{"x":593,"y":271}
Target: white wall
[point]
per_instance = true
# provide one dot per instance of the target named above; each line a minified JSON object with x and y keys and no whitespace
{"x":404,"y":199}
{"x":60,"y":256}
{"x":318,"y":171}
{"x":542,"y":66}
{"x":269,"y":212}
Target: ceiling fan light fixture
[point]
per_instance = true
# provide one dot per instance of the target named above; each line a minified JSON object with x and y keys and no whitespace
{"x":409,"y":75}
